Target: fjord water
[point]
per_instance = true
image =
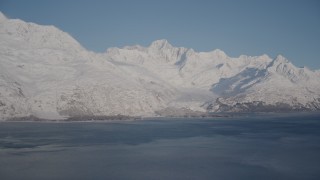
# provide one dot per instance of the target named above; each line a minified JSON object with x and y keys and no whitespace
{"x":243,"y":147}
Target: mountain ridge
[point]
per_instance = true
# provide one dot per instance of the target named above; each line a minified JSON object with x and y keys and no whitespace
{"x":46,"y":73}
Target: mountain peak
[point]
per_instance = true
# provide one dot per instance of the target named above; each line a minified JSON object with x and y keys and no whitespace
{"x":278,"y":61}
{"x":264,"y":56}
{"x":2,"y":17}
{"x":219,"y":53}
{"x":281,"y":59}
{"x":31,"y":35}
{"x":159,"y":44}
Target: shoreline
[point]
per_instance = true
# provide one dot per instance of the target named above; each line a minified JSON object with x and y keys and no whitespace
{"x":122,"y":118}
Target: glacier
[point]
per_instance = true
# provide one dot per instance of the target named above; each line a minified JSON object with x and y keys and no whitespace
{"x":46,"y":73}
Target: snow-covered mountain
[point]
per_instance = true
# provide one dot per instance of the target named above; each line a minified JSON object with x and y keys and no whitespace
{"x":46,"y":73}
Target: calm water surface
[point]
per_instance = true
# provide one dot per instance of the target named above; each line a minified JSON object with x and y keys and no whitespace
{"x":245,"y":147}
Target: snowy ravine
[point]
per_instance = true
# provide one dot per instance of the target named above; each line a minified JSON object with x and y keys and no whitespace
{"x":46,"y":73}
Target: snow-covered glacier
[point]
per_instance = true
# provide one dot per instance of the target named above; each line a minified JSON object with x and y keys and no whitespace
{"x":46,"y":73}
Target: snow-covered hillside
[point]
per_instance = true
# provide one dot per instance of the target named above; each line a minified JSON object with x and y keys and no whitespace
{"x":46,"y":73}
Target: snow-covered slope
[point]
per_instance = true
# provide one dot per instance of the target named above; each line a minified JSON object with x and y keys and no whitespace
{"x":279,"y":87}
{"x":245,"y":83}
{"x":46,"y":73}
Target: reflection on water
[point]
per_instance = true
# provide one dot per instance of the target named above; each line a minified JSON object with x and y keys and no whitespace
{"x":253,"y":147}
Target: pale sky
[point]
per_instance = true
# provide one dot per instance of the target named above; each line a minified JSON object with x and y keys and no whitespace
{"x":251,"y":27}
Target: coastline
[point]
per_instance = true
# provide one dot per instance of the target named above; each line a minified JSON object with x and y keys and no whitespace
{"x":123,"y":118}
